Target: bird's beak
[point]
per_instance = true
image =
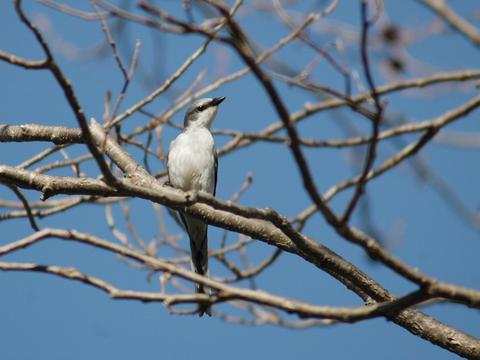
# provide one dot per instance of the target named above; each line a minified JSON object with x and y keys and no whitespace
{"x":217,"y":101}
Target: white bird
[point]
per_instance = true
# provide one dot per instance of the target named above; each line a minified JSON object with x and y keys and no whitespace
{"x":192,"y":165}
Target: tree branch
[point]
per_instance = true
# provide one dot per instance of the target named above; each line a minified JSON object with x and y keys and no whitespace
{"x":457,"y":22}
{"x":69,"y":94}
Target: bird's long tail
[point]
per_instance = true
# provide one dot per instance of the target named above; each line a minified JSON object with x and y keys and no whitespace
{"x":197,"y":231}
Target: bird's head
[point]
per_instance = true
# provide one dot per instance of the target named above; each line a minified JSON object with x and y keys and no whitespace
{"x":202,"y":112}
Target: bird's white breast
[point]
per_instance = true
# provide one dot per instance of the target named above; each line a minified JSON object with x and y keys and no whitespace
{"x":191,"y":162}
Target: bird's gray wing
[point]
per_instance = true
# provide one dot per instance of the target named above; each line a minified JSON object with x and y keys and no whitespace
{"x":167,"y":165}
{"x":215,"y":169}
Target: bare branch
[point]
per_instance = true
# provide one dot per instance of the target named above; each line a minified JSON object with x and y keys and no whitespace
{"x":224,"y":292}
{"x":372,"y":146}
{"x":58,"y":135}
{"x":26,"y":205}
{"x":318,"y":39}
{"x":430,"y":128}
{"x":457,"y":22}
{"x":27,"y":64}
{"x":69,"y":94}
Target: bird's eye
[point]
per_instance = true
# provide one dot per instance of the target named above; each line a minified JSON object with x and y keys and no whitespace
{"x":201,"y":108}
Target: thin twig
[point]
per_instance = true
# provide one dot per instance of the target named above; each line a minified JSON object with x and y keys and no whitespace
{"x":26,"y":205}
{"x":372,"y":146}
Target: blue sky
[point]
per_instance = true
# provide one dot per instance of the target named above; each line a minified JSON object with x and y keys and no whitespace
{"x":52,"y":318}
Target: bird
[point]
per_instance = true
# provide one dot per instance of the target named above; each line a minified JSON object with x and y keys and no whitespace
{"x":192,"y":164}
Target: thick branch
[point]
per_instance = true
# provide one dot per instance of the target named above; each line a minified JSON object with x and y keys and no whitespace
{"x":59,"y":135}
{"x":265,"y":231}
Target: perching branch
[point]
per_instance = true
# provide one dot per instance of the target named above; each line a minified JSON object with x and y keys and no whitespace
{"x":58,"y":174}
